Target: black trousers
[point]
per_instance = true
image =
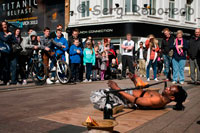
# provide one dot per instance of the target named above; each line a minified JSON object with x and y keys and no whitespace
{"x":160,"y":67}
{"x":127,"y":61}
{"x":5,"y":67}
{"x":75,"y":67}
{"x":22,"y":66}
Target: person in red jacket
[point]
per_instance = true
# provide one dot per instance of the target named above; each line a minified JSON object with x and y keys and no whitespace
{"x":152,"y":54}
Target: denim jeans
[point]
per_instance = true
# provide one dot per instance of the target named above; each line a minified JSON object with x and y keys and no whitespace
{"x":154,"y":65}
{"x":167,"y":64}
{"x":13,"y":70}
{"x":178,"y":69}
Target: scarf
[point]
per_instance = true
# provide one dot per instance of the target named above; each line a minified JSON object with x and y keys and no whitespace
{"x":179,"y":51}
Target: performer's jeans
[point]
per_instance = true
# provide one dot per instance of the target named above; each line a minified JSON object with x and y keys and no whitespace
{"x":194,"y":66}
{"x":178,"y":69}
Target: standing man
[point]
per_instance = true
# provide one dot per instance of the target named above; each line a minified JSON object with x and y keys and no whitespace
{"x":193,"y":51}
{"x":142,"y":56}
{"x":75,"y":35}
{"x":53,"y":34}
{"x":127,"y":55}
{"x":167,"y":53}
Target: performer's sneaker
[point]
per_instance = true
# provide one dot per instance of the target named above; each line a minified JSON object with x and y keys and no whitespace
{"x":182,"y":83}
{"x":148,"y":79}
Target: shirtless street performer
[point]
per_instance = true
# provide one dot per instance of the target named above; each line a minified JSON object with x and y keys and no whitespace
{"x":153,"y":99}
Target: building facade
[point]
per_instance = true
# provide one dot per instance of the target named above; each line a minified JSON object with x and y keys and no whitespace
{"x":115,"y":18}
{"x":35,"y":14}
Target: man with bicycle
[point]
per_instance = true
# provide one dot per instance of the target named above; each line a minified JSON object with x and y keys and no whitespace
{"x":47,"y":45}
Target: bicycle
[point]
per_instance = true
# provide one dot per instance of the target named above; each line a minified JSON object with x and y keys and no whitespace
{"x":37,"y":69}
{"x":59,"y":70}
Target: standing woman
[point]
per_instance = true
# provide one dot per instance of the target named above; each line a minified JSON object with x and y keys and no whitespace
{"x":22,"y":58}
{"x":179,"y":57}
{"x":14,"y":56}
{"x":152,"y":54}
{"x":5,"y":38}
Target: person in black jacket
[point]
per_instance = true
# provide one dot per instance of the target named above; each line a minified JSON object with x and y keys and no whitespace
{"x":198,"y":58}
{"x":193,"y":51}
{"x":166,"y":51}
{"x":6,"y":39}
{"x":53,"y":34}
{"x":75,"y":35}
{"x":141,"y":57}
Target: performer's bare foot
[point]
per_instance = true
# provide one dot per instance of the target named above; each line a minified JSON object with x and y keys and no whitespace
{"x":113,"y":85}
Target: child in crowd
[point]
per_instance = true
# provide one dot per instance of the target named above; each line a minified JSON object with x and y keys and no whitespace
{"x":114,"y":68}
{"x":97,"y":63}
{"x":75,"y":53}
{"x":104,"y":60}
{"x":88,"y":60}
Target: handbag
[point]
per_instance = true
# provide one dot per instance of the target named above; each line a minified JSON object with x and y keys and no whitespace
{"x":171,"y":52}
{"x":4,"y":47}
{"x":16,"y":48}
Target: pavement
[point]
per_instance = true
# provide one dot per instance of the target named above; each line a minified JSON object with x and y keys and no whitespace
{"x":21,"y":108}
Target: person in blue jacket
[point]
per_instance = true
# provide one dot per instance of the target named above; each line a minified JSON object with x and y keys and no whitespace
{"x":60,"y":39}
{"x":75,"y":53}
{"x":88,"y":60}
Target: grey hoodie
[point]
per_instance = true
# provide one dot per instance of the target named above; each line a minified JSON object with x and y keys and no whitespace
{"x":26,"y":43}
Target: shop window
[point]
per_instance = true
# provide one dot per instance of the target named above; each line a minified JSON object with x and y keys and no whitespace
{"x":107,"y":7}
{"x":152,"y":7}
{"x":130,"y":5}
{"x":86,"y":5}
{"x":188,"y":10}
{"x":171,"y":8}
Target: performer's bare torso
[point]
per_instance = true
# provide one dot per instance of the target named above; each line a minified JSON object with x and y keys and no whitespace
{"x":153,"y":95}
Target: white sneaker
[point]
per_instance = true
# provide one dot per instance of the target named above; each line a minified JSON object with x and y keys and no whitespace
{"x":24,"y":82}
{"x":140,"y":75}
{"x":85,"y":81}
{"x":156,"y":79}
{"x":90,"y":80}
{"x":174,"y":82}
{"x":53,"y":69}
{"x":182,"y":83}
{"x":148,"y":79}
{"x":57,"y":81}
{"x":52,"y":78}
{"x":144,"y":76}
{"x":49,"y":82}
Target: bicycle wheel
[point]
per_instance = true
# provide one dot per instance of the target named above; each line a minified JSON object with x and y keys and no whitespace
{"x":38,"y":73}
{"x":63,"y":72}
